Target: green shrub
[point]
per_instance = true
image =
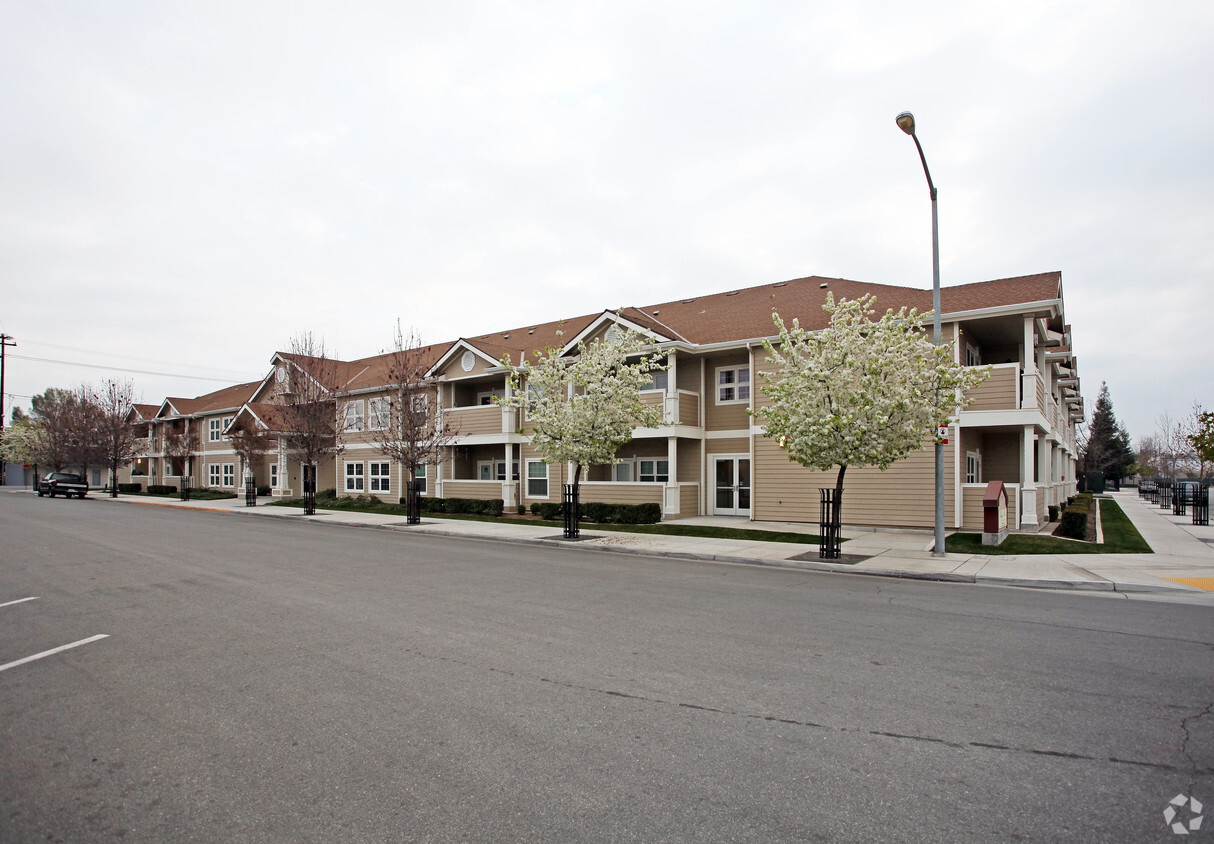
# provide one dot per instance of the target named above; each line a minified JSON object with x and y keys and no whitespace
{"x":522,"y":509}
{"x":263,"y":490}
{"x":1053,"y":517}
{"x":327,"y":493}
{"x":161,"y":489}
{"x":1074,"y":524}
{"x":130,"y":487}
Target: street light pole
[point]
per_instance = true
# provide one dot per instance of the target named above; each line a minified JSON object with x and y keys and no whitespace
{"x":906,"y":122}
{"x":5,"y":340}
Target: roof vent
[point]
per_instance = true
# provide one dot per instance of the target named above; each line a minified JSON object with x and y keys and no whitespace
{"x":532,"y":331}
{"x":655,"y":313}
{"x":734,"y":293}
{"x":780,"y":284}
{"x":688,"y":301}
{"x":823,"y":286}
{"x":505,"y":336}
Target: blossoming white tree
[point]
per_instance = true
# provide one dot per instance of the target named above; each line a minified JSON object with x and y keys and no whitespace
{"x":581,"y":409}
{"x":860,"y":392}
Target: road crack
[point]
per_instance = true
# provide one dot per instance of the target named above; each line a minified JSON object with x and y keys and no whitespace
{"x":1185,"y":748}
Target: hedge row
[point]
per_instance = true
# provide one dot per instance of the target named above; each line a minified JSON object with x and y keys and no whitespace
{"x":481,"y":506}
{"x":594,"y":511}
{"x":1074,"y":522}
{"x":130,"y":487}
{"x":161,"y":489}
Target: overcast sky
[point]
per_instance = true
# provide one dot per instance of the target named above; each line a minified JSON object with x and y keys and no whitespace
{"x":184,"y":186}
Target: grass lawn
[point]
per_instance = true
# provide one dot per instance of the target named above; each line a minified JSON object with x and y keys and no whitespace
{"x":661,"y":529}
{"x":1120,"y":537}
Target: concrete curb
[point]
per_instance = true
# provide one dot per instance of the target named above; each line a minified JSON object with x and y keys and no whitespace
{"x":1077,"y":585}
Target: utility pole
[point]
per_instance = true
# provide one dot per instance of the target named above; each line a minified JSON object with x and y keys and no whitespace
{"x":5,"y":341}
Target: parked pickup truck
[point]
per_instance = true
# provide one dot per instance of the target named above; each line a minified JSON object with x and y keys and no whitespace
{"x":63,"y":483}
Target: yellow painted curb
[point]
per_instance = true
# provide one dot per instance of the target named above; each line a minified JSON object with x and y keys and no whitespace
{"x":1206,"y":583}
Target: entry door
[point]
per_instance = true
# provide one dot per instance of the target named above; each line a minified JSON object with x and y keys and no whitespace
{"x":731,"y":476}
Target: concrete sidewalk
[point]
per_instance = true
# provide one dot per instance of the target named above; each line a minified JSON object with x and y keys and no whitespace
{"x":1182,"y":567}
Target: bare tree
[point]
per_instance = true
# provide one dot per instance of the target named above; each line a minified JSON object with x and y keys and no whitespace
{"x":67,"y":421}
{"x":309,"y":412}
{"x":1172,"y":445}
{"x":414,"y":430}
{"x":118,"y":439}
{"x":250,"y":443}
{"x":180,"y":446}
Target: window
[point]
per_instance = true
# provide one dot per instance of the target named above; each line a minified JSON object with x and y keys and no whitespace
{"x":229,"y":474}
{"x":273,"y":476}
{"x":659,"y":381}
{"x":419,"y":404}
{"x":354,"y":477}
{"x":227,"y":420}
{"x":420,"y":478}
{"x":381,"y":480}
{"x":214,"y":430}
{"x":733,"y":385}
{"x":213,"y":473}
{"x":973,"y":357}
{"x":168,"y":468}
{"x":140,"y":466}
{"x":489,"y":470}
{"x":488,"y":397}
{"x":623,"y":472}
{"x":654,"y":471}
{"x":973,"y":467}
{"x":537,"y":479}
{"x":354,"y":420}
{"x":380,"y":412}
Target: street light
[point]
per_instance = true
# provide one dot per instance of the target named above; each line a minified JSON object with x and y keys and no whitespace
{"x":906,"y":122}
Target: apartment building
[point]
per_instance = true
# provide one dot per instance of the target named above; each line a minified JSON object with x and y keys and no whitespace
{"x":708,"y":455}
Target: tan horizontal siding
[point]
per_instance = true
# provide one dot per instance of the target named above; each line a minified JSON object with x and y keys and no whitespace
{"x":689,"y":409}
{"x":689,"y":500}
{"x":470,"y":421}
{"x":609,"y":493}
{"x":971,"y":508}
{"x":998,"y":392}
{"x":472,"y":489}
{"x":728,"y":445}
{"x":903,"y":496}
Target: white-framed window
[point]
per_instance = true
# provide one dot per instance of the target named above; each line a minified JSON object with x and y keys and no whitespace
{"x":381,"y":476}
{"x":419,"y":402}
{"x":654,"y":471}
{"x":420,"y":477}
{"x":380,"y":412}
{"x":623,"y":472}
{"x":537,"y":479}
{"x":733,"y":384}
{"x":973,"y":467}
{"x":273,"y":476}
{"x":168,"y":468}
{"x":229,"y":474}
{"x":213,"y":474}
{"x":227,"y":420}
{"x":973,"y":356}
{"x":354,"y":477}
{"x":488,"y":397}
{"x":495,"y":470}
{"x":353,"y":416}
{"x":658,"y":381}
{"x":214,"y":430}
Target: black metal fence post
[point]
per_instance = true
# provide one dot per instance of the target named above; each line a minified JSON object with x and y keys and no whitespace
{"x":1180,"y":497}
{"x":829,"y":542}
{"x":309,"y":490}
{"x":185,"y":488}
{"x":1201,"y":505}
{"x":1165,"y":495}
{"x":572,"y":510}
{"x":250,"y":491}
{"x":413,"y":510}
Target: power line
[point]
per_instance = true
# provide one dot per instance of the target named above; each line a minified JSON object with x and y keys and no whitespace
{"x":123,"y":357}
{"x":122,"y":369}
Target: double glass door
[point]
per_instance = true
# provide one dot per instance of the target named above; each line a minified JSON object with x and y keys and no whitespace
{"x":731,"y":477}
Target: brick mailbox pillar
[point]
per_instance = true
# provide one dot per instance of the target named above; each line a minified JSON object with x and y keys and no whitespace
{"x":994,"y":513}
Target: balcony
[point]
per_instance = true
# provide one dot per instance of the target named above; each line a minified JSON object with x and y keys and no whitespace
{"x":481,"y":420}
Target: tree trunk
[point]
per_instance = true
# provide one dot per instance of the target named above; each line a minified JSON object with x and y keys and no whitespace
{"x":837,"y":507}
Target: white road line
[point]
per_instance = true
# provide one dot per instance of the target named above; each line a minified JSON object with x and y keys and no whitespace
{"x":18,"y":601}
{"x":53,"y":651}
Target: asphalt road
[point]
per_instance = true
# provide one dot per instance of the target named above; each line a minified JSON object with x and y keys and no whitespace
{"x":275,"y":680}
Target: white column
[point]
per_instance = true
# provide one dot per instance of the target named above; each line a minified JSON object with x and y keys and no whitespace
{"x":1028,"y":503}
{"x":508,"y":498}
{"x":671,"y":493}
